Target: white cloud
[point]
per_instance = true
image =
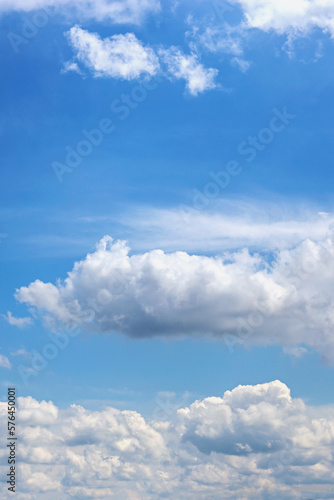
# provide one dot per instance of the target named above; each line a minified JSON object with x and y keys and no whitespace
{"x":116,"y":11}
{"x":21,"y":352}
{"x":4,"y":362}
{"x":284,"y":298}
{"x":242,"y":64}
{"x":124,"y":56}
{"x":228,"y":225}
{"x":254,"y":442}
{"x":294,"y":20}
{"x":286,"y":17}
{"x":297,"y":352}
{"x":120,"y":56}
{"x":69,"y":66}
{"x":249,"y":419}
{"x":225,"y":39}
{"x":188,"y":68}
{"x":33,"y":413}
{"x":205,"y":35}
{"x":19,"y":322}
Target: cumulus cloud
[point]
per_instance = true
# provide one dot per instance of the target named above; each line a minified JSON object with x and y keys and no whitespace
{"x":249,"y":419}
{"x":294,"y":20}
{"x":125,"y":57}
{"x":120,"y":56}
{"x":4,"y":362}
{"x":19,"y":322}
{"x":254,"y":442}
{"x":116,"y":11}
{"x":285,"y":17}
{"x":283,"y":298}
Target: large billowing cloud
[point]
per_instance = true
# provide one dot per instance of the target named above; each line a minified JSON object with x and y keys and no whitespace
{"x":116,"y":11}
{"x":255,"y":442}
{"x":249,"y":419}
{"x":284,"y":297}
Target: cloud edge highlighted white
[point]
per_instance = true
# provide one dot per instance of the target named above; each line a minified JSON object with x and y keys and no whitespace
{"x":251,"y":442}
{"x":238,"y":297}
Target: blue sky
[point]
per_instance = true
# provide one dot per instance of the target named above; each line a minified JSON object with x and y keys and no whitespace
{"x":221,"y":73}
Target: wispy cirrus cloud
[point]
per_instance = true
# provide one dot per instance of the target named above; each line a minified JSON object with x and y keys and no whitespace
{"x":19,"y":322}
{"x":21,"y":352}
{"x":115,"y":11}
{"x":4,"y":362}
{"x":216,"y":38}
{"x":227,"y":225}
{"x":188,"y":68}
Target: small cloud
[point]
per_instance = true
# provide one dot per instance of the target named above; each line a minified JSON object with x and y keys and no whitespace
{"x":71,"y":66}
{"x":242,"y":64}
{"x":187,"y":67}
{"x":297,"y":352}
{"x":119,"y":56}
{"x":4,"y":362}
{"x":19,"y":322}
{"x":21,"y":352}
